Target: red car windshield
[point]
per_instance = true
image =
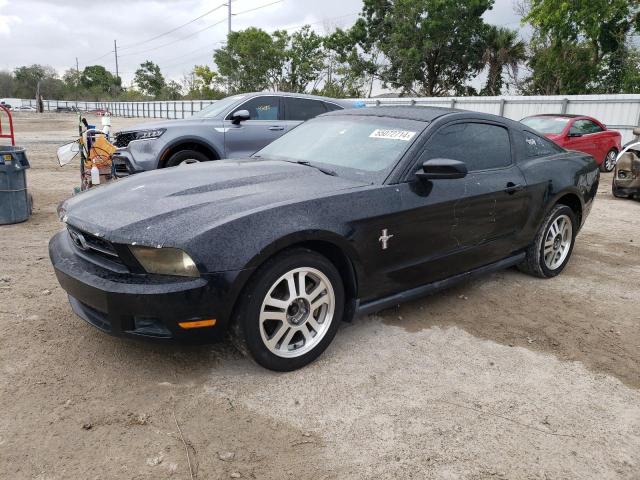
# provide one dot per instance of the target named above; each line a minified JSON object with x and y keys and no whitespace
{"x":547,"y":125}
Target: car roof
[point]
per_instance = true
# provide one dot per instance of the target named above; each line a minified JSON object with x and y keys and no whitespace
{"x":406,"y":112}
{"x":298,"y":95}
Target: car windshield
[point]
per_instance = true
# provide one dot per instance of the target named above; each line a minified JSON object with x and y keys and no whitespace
{"x":218,"y":107}
{"x":551,"y":125}
{"x":353,"y":146}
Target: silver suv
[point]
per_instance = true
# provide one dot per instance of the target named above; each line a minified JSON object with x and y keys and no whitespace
{"x":233,"y":127}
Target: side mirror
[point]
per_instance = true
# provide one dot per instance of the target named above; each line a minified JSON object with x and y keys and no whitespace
{"x":636,"y":131}
{"x":441,"y":168}
{"x":240,"y":116}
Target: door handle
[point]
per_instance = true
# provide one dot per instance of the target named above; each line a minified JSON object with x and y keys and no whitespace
{"x":513,"y":188}
{"x":276,"y":128}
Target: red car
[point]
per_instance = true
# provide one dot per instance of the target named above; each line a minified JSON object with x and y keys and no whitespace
{"x":582,"y":133}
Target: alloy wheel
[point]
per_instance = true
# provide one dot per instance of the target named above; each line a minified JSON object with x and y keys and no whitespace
{"x":297,"y":312}
{"x":610,"y":161}
{"x":557,"y":242}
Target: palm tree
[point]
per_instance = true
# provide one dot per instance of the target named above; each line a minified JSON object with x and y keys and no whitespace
{"x":502,"y":50}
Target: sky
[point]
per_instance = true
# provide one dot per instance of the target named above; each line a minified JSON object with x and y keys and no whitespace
{"x":55,"y":32}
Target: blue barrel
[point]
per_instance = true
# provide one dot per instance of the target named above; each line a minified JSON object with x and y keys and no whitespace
{"x":15,"y":201}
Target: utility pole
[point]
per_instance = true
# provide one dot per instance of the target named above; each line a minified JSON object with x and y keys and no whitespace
{"x":229,"y":33}
{"x":77,"y":80}
{"x":115,"y":49}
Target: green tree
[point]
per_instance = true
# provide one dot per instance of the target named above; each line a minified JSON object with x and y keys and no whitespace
{"x":503,"y":51}
{"x":149,"y":79}
{"x":630,"y":74}
{"x":432,"y":47}
{"x":560,"y":69}
{"x":26,"y":81}
{"x":352,"y":63}
{"x":250,"y":61}
{"x":172,"y":91}
{"x":301,"y":57}
{"x":204,"y":83}
{"x":98,"y":80}
{"x":6,"y":84}
{"x":601,"y":26}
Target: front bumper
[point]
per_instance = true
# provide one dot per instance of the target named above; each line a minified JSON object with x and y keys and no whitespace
{"x":138,"y":156}
{"x":143,"y":306}
{"x":625,"y":191}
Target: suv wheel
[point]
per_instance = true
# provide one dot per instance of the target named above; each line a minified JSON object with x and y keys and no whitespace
{"x":290,"y":310}
{"x":185,"y":157}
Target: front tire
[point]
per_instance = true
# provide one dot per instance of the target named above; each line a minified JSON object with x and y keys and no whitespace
{"x":609,"y":162}
{"x":552,"y":246}
{"x":290,"y":310}
{"x":185,"y":157}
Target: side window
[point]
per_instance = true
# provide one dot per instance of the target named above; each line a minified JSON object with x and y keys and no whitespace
{"x":332,"y":106}
{"x":303,"y":109}
{"x":261,"y":108}
{"x":480,"y":146}
{"x":584,"y":127}
{"x":535,"y":146}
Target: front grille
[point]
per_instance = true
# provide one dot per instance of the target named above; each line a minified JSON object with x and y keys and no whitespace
{"x":123,"y":139}
{"x":92,"y":244}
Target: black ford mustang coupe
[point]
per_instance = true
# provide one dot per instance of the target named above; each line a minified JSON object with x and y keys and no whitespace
{"x":351,"y":212}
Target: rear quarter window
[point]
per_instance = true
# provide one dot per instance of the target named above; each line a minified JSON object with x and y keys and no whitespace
{"x":537,"y":146}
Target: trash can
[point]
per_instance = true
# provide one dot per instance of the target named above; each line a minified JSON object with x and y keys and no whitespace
{"x":15,"y":201}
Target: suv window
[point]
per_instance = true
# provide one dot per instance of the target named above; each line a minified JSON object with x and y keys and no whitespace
{"x":332,"y":106}
{"x":585,"y":127}
{"x":261,"y":108}
{"x":536,"y":146}
{"x":479,"y":145}
{"x":303,"y":109}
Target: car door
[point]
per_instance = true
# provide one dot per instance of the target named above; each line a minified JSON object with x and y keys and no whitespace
{"x":263,"y":127}
{"x":584,"y":136}
{"x":298,"y":110}
{"x":454,"y":225}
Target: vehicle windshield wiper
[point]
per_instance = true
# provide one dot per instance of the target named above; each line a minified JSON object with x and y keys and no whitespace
{"x":326,"y":171}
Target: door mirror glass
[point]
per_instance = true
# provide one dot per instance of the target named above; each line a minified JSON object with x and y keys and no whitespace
{"x":240,"y":116}
{"x":441,"y":168}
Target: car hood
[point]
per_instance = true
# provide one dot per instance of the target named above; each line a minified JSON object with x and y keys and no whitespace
{"x":170,"y":206}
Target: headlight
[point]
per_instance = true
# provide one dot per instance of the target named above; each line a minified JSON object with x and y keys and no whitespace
{"x":165,"y":261}
{"x":148,"y":134}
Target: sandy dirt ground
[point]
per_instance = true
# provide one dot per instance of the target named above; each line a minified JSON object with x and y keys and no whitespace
{"x":505,"y":377}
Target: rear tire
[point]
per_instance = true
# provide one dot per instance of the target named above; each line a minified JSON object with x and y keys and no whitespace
{"x":609,"y":162}
{"x":186,"y":156}
{"x":290,"y":310}
{"x":552,"y":246}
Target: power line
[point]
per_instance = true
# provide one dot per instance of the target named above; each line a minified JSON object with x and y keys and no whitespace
{"x":198,"y":31}
{"x":175,"y":41}
{"x":295,"y":27}
{"x":174,"y":29}
{"x":257,"y":8}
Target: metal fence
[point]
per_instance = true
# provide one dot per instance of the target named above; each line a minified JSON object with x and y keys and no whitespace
{"x":160,"y":109}
{"x":619,"y":112}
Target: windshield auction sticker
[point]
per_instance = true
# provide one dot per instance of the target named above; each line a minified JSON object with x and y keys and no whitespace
{"x":403,"y":135}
